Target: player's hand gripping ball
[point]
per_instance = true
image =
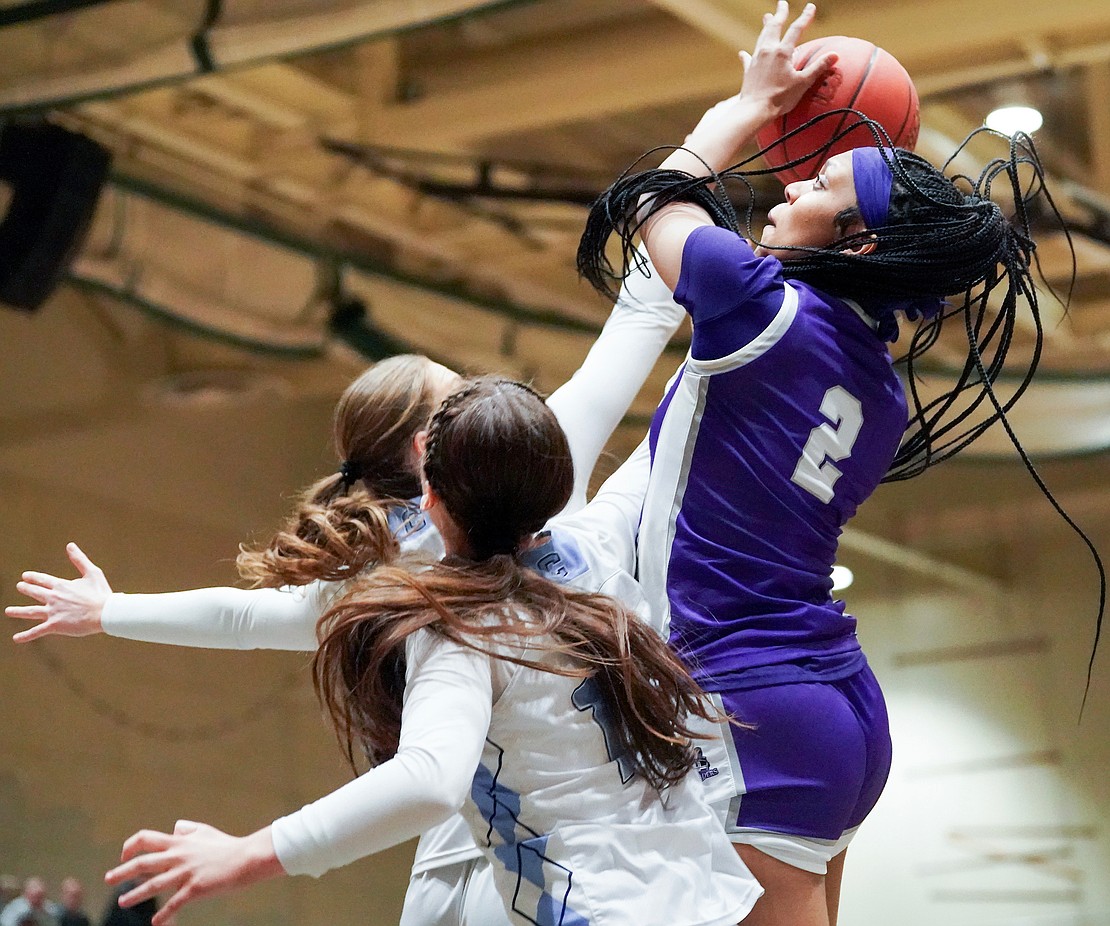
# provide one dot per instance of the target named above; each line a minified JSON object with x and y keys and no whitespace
{"x":864,"y":78}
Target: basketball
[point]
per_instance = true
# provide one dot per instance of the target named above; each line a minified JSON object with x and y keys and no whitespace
{"x":864,"y":78}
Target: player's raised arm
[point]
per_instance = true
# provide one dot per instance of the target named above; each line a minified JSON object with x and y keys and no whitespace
{"x":591,"y":403}
{"x":772,"y":87}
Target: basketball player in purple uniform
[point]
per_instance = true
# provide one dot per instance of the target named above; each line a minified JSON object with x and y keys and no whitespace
{"x":784,"y":418}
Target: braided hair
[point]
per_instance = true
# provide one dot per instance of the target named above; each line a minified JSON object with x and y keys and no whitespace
{"x":937,"y":241}
{"x":484,"y":456}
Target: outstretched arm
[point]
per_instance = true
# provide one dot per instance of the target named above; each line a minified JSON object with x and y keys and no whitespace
{"x":591,"y":404}
{"x":772,"y":87}
{"x":66,"y":607}
{"x":448,"y":702}
{"x":215,"y":618}
{"x":224,"y":618}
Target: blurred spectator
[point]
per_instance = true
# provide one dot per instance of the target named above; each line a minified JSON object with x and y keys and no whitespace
{"x":70,"y":911}
{"x":29,"y":907}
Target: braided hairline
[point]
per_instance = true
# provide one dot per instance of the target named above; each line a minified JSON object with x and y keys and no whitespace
{"x":448,"y":411}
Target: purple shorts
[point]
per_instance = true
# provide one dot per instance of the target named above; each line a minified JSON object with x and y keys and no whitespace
{"x":812,"y":765}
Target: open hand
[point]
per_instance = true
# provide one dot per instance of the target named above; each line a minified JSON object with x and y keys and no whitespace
{"x":770,"y":73}
{"x":194,"y":861}
{"x":67,"y":607}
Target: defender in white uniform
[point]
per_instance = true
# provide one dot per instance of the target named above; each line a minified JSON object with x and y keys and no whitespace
{"x":573,"y":837}
{"x":593,"y":551}
{"x":569,"y":816}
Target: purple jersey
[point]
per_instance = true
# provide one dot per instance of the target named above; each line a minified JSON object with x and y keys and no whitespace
{"x":785,"y":416}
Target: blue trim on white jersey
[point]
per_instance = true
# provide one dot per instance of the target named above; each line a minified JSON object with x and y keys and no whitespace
{"x":526,"y":858}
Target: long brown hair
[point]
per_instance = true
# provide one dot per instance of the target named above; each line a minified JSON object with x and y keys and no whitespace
{"x":340,"y":524}
{"x":498,"y":460}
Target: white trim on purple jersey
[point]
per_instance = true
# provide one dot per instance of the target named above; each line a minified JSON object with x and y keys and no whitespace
{"x":783,"y":419}
{"x":674,"y":448}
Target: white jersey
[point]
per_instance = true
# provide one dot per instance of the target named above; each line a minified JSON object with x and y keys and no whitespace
{"x":592,"y":550}
{"x":572,"y":835}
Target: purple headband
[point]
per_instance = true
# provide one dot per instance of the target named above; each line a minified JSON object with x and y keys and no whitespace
{"x":873,"y":178}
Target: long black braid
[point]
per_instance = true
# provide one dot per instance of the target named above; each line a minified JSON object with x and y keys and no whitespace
{"x":938,"y":242}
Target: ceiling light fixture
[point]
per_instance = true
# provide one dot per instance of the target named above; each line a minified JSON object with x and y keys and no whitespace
{"x":842,"y":577}
{"x":1011,"y":119}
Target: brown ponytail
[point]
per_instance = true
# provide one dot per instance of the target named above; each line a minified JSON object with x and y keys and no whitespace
{"x":340,"y":524}
{"x":359,"y":668}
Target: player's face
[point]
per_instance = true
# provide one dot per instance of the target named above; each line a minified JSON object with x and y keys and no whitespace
{"x":808,"y":217}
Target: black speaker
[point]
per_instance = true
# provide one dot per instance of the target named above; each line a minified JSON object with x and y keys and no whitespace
{"x":54,"y":177}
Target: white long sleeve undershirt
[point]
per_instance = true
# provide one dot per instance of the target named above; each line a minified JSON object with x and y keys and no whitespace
{"x":446,"y":715}
{"x":223,"y":618}
{"x":592,"y":402}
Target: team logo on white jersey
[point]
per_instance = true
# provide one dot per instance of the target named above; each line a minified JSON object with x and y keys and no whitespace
{"x":701,"y":763}
{"x":557,"y":559}
{"x":407,"y":520}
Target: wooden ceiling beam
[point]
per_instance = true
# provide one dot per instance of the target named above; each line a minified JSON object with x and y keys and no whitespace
{"x":296,"y":89}
{"x":267,"y":109}
{"x":379,"y":76}
{"x":909,"y":29}
{"x":735,"y":23}
{"x":312,"y":31}
{"x":587,"y":76}
{"x":386,"y":212}
{"x":651,"y":63}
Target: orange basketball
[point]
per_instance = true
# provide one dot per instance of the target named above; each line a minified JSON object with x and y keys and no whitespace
{"x":864,"y":78}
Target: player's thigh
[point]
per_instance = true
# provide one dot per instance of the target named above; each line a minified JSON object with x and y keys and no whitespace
{"x":791,"y":895}
{"x":482,"y":905}
{"x":437,"y":897}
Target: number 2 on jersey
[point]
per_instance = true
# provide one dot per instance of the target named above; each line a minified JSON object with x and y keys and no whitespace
{"x":829,"y":442}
